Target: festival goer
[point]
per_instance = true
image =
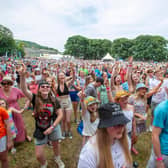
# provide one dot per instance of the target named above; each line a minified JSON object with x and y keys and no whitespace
{"x":109,"y":147}
{"x":66,"y":105}
{"x":159,"y":154}
{"x":91,"y":89}
{"x":5,"y":137}
{"x":48,"y":115}
{"x":12,"y":95}
{"x":89,"y":116}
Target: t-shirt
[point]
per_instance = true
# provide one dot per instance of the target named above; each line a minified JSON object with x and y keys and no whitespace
{"x":90,"y":90}
{"x":161,"y":121}
{"x":3,"y":116}
{"x":44,"y":119}
{"x":89,"y":128}
{"x":129,"y":114}
{"x":89,"y":157}
{"x":161,"y":94}
{"x":103,"y":94}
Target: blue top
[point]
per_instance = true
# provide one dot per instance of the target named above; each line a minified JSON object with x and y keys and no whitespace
{"x":161,"y":121}
{"x":125,"y":86}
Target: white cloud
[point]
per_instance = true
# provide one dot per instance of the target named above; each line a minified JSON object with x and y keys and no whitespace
{"x":51,"y":22}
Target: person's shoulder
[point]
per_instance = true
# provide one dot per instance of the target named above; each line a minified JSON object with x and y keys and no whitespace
{"x":3,"y":110}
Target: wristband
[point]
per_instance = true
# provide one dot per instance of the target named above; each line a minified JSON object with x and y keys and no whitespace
{"x":130,"y":65}
{"x":159,"y":158}
{"x":52,"y":126}
{"x":108,"y":88}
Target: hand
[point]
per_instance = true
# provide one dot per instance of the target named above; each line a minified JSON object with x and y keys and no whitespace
{"x":48,"y":131}
{"x":10,"y":144}
{"x":21,"y":111}
{"x":160,"y":164}
{"x":130,"y":59}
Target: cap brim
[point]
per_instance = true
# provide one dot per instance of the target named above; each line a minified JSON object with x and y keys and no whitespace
{"x":119,"y":120}
{"x":96,"y":101}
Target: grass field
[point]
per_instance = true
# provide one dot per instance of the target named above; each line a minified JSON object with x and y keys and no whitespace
{"x":70,"y":149}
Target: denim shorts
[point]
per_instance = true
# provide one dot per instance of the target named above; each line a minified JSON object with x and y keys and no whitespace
{"x":3,"y":144}
{"x":54,"y":136}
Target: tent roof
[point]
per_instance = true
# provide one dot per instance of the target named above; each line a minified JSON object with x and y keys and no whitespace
{"x":108,"y":57}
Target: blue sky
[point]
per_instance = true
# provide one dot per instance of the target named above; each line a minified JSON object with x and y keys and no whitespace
{"x":51,"y":22}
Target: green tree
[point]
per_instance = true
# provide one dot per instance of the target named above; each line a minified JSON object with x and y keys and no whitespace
{"x":147,"y":47}
{"x":76,"y":46}
{"x":7,"y":43}
{"x":121,"y":48}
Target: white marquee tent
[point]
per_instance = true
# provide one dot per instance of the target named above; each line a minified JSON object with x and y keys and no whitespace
{"x":108,"y":57}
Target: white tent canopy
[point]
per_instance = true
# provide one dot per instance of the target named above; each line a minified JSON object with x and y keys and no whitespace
{"x":108,"y":57}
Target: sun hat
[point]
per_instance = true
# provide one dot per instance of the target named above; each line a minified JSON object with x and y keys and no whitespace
{"x":141,"y":85}
{"x":120,"y":94}
{"x":110,"y":115}
{"x":7,"y":78}
{"x":90,"y":100}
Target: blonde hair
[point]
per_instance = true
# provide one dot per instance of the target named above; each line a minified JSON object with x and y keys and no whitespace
{"x":104,"y":148}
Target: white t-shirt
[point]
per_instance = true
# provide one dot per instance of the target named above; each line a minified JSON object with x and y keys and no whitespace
{"x":89,"y":157}
{"x":161,"y":95}
{"x":129,"y":114}
{"x":89,"y":128}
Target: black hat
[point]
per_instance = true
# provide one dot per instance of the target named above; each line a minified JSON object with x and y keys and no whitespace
{"x":110,"y":115}
{"x":100,"y":79}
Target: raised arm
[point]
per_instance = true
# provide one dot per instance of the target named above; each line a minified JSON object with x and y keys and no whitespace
{"x":108,"y":90}
{"x":155,"y":90}
{"x":23,"y":84}
{"x":130,"y":84}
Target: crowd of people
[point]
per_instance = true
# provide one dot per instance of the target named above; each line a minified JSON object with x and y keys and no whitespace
{"x":111,"y":102}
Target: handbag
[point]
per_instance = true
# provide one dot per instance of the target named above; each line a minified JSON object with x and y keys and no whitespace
{"x":80,"y":127}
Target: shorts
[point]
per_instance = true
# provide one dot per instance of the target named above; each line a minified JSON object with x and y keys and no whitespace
{"x":3,"y":144}
{"x":65,"y":103}
{"x":140,"y":126}
{"x":54,"y":136}
{"x":74,"y":96}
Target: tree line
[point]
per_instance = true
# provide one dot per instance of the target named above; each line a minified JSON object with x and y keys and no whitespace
{"x":143,"y":47}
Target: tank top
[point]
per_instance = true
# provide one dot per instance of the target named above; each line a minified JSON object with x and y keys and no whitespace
{"x":65,"y":92}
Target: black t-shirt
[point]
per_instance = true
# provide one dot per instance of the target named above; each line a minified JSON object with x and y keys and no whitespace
{"x":47,"y":116}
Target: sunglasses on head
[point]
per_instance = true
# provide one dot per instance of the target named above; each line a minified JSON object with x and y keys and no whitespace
{"x":6,"y":83}
{"x":45,"y":86}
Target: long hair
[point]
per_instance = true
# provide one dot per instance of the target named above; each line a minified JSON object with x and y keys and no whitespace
{"x":104,"y":148}
{"x":39,"y":102}
{"x":6,"y":103}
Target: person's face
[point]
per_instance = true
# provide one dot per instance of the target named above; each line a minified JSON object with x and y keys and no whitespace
{"x":44,"y":89}
{"x":2,"y":103}
{"x":135,"y":78}
{"x":49,"y":81}
{"x":92,"y":108}
{"x":118,"y":79}
{"x":37,"y":72}
{"x":123,"y":101}
{"x":116,"y":132}
{"x":61,"y":76}
{"x":142,"y":91}
{"x":6,"y":84}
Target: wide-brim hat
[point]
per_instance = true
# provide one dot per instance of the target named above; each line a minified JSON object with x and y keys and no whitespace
{"x":110,"y":115}
{"x":121,"y":94}
{"x":90,"y":100}
{"x":140,"y":86}
{"x":7,"y":78}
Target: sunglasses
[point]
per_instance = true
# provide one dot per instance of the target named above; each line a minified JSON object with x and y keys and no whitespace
{"x":6,"y":83}
{"x":47,"y":87}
